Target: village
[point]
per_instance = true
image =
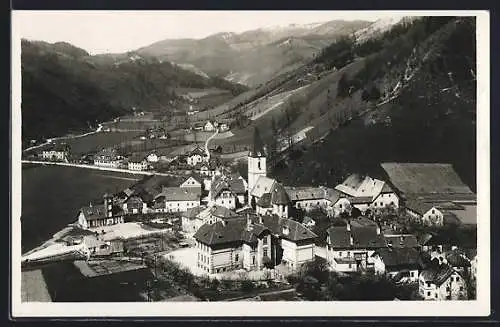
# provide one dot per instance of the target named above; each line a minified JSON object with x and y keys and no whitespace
{"x":213,"y":224}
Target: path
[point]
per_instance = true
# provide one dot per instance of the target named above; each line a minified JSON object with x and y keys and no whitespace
{"x":118,"y":170}
{"x":207,"y":151}
{"x":49,"y":141}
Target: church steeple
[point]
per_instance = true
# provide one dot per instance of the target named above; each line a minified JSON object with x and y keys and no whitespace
{"x":257,"y":147}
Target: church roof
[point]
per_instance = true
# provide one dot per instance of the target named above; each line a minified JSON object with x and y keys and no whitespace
{"x":257,"y":146}
{"x":279,"y":195}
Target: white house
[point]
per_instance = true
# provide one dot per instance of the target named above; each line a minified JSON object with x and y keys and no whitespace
{"x":105,"y":214}
{"x":253,"y":243}
{"x":152,"y":157}
{"x":194,"y":218}
{"x":401,"y":264}
{"x":350,"y":247}
{"x":228,"y":190}
{"x":196,"y":156}
{"x":426,"y":213}
{"x":134,"y":204}
{"x":177,"y":199}
{"x":107,"y":158}
{"x":307,"y":198}
{"x":191,"y":182}
{"x":209,"y":127}
{"x":138,"y":163}
{"x":59,"y":152}
{"x":442,"y":283}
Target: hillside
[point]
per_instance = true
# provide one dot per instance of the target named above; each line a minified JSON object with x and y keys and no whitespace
{"x":253,"y":57}
{"x":410,"y":96}
{"x":64,"y":89}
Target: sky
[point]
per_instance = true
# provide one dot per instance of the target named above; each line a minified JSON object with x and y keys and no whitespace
{"x":115,"y":32}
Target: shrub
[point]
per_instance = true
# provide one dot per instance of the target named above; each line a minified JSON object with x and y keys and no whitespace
{"x":247,"y":286}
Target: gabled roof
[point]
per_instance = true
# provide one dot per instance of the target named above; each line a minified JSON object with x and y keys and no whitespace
{"x":438,"y":275}
{"x":363,"y":237}
{"x":360,"y":186}
{"x":180,"y":194}
{"x":227,"y":182}
{"x":263,"y":185}
{"x":192,"y":213}
{"x":332,"y":195}
{"x":94,"y":212}
{"x":457,"y":258}
{"x":419,"y":207}
{"x":257,"y":146}
{"x":297,"y":231}
{"x":399,"y":257}
{"x":264,"y":201}
{"x":197,"y":151}
{"x":279,"y":195}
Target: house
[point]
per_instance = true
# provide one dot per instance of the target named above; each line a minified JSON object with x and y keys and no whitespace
{"x":152,"y":157}
{"x":275,"y":202}
{"x":178,"y":199}
{"x":399,"y":263}
{"x":108,"y":158}
{"x":424,"y":212}
{"x":224,"y":127}
{"x":208,"y":169}
{"x":252,"y":243}
{"x":209,"y":126}
{"x":366,"y":192}
{"x":194,"y":218}
{"x":459,"y":261}
{"x":307,"y":198}
{"x":56,"y":152}
{"x":138,"y":162}
{"x":350,"y":247}
{"x":401,"y":241}
{"x":442,"y":283}
{"x":197,"y":155}
{"x":228,"y":190}
{"x":191,"y":182}
{"x":104,"y":214}
{"x":308,"y":222}
{"x":134,"y":204}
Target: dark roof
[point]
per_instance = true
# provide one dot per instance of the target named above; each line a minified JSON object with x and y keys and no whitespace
{"x":425,"y":178}
{"x":137,"y":157}
{"x":197,"y":150}
{"x":305,"y":193}
{"x":418,"y":206}
{"x":235,"y":230}
{"x":457,"y":258}
{"x":231,"y":183}
{"x":437,"y":275}
{"x":180,"y":193}
{"x":134,"y":202}
{"x":399,"y":257}
{"x":362,"y":237}
{"x":257,"y":146}
{"x":279,"y":195}
{"x":402,"y":241}
{"x":94,"y":212}
{"x":264,"y":201}
{"x":222,"y":212}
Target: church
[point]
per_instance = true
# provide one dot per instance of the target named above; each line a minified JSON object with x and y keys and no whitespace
{"x":263,"y":236}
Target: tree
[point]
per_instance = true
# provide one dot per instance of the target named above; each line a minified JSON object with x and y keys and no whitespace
{"x":247,"y":286}
{"x":343,"y":86}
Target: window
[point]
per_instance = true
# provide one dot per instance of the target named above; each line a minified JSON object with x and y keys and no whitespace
{"x":348,"y":253}
{"x":412,"y":274}
{"x":428,"y":293}
{"x":457,"y":279}
{"x":253,"y":260}
{"x":461,"y":288}
{"x":237,"y":257}
{"x":435,"y":295}
{"x":381,"y":204}
{"x":433,"y":211}
{"x":258,"y":164}
{"x":349,"y":266}
{"x":265,"y":240}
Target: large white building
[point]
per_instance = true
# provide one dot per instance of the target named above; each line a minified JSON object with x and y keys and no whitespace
{"x":58,"y":152}
{"x":252,"y":243}
{"x":177,"y":199}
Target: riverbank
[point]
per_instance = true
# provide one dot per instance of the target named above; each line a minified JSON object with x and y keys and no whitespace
{"x":118,"y":170}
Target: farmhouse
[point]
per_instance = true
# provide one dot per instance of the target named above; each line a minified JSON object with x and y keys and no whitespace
{"x":56,"y":152}
{"x":210,"y":126}
{"x":178,"y":199}
{"x":424,"y":212}
{"x":191,"y":182}
{"x":307,"y":198}
{"x":365,"y":192}
{"x":197,"y":155}
{"x":253,"y":243}
{"x":228,"y":190}
{"x":401,"y":264}
{"x":138,"y":163}
{"x":104,"y":214}
{"x":350,"y":247}
{"x":442,"y":283}
{"x":107,"y":158}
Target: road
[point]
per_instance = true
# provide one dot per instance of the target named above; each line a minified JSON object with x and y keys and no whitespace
{"x":49,"y":141}
{"x":118,"y":170}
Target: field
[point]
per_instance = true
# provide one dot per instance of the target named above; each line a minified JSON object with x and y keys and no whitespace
{"x":52,"y":196}
{"x":99,"y":141}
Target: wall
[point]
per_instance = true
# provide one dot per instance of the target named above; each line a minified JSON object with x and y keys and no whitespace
{"x":109,"y":164}
{"x":248,"y":254}
{"x":226,"y":199}
{"x":385,"y":199}
{"x":139,"y":166}
{"x":342,"y":205}
{"x":311,"y":204}
{"x":204,"y":260}
{"x":180,"y":206}
{"x":294,"y":255}
{"x":51,"y":154}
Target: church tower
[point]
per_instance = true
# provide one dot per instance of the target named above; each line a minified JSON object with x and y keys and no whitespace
{"x":256,"y":161}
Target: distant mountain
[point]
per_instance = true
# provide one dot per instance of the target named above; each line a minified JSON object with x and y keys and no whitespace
{"x":65,"y":89}
{"x":255,"y":56}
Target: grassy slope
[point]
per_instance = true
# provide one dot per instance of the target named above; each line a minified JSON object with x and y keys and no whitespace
{"x":430,"y":123}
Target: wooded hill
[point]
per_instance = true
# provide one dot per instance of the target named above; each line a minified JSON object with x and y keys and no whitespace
{"x":64,"y":89}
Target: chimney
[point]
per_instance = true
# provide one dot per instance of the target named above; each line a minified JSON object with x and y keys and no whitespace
{"x":348,"y":226}
{"x":351,"y":240}
{"x":90,"y":204}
